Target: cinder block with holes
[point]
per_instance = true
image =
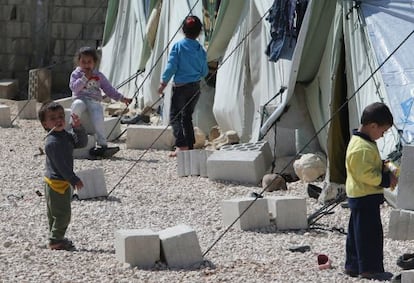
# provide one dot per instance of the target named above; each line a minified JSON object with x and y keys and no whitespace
{"x":289,"y":212}
{"x":257,"y":216}
{"x":180,"y":247}
{"x":27,"y":109}
{"x":40,"y":84}
{"x":401,"y":225}
{"x":192,"y":162}
{"x":238,"y":166}
{"x":405,"y":194}
{"x":262,"y":146}
{"x":142,"y":137}
{"x":138,"y":247}
{"x":5,"y":119}
{"x":93,"y":183}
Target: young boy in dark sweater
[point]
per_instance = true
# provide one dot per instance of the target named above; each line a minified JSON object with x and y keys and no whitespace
{"x":59,"y":170}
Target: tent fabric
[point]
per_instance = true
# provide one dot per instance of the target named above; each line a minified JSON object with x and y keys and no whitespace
{"x":227,"y":20}
{"x":398,"y":73}
{"x":317,"y":66}
{"x":228,"y":105}
{"x":122,"y":50}
{"x":361,"y":63}
{"x":254,"y":79}
{"x":304,"y":64}
{"x":110,"y":20}
{"x":338,"y":48}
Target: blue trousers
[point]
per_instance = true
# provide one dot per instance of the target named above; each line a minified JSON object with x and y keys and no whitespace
{"x":183,"y":101}
{"x":365,"y":239}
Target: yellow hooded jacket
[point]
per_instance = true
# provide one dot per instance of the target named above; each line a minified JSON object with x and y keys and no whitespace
{"x":363,"y":168}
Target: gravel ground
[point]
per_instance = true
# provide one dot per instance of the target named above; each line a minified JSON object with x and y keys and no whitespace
{"x":153,"y":196}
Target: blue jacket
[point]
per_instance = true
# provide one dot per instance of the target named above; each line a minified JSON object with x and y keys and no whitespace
{"x":187,"y":62}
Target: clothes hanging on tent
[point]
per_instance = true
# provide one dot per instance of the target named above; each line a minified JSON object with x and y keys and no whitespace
{"x":281,"y":18}
{"x":301,"y":6}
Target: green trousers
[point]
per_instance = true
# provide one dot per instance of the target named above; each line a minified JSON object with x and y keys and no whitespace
{"x":58,"y":212}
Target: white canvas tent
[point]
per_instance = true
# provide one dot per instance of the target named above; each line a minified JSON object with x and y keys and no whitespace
{"x":339,"y":46}
{"x":339,"y":55}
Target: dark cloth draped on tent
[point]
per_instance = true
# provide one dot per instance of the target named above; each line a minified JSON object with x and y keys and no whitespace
{"x":282,"y":24}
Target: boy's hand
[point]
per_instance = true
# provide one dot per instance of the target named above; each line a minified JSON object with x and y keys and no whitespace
{"x":79,"y":185}
{"x":125,"y":100}
{"x":393,"y":180}
{"x":75,"y":120}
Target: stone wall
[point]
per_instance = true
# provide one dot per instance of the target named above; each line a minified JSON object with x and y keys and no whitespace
{"x":46,"y":34}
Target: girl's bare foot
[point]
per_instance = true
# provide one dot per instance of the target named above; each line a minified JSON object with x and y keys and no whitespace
{"x":177,"y":149}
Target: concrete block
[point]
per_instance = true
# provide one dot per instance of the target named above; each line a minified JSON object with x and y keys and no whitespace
{"x":257,"y":216}
{"x":407,"y":276}
{"x":184,"y":158}
{"x":5,"y":119}
{"x":180,"y":247}
{"x":94,"y":183}
{"x":112,"y":128}
{"x":284,"y":164}
{"x":262,"y":146}
{"x":27,"y":109}
{"x":181,"y":164}
{"x":195,"y":162}
{"x":192,"y":162}
{"x":401,"y":225}
{"x":40,"y":85}
{"x":239,"y":166}
{"x":9,"y":88}
{"x":142,"y":137}
{"x":138,"y":247}
{"x":83,"y":153}
{"x":65,"y":102}
{"x":204,"y":155}
{"x":405,"y":195}
{"x":289,"y":212}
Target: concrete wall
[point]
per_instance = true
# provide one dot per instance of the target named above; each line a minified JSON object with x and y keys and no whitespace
{"x":42,"y":33}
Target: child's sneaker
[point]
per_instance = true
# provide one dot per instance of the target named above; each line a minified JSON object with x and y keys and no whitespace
{"x":104,"y":151}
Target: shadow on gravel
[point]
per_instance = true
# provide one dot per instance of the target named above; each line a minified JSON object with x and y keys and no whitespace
{"x":95,"y":251}
{"x":162,"y":266}
{"x":117,"y":158}
{"x":110,"y":198}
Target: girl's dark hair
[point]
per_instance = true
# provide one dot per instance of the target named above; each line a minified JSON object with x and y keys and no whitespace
{"x":88,"y":51}
{"x":378,"y":113}
{"x":192,"y":27}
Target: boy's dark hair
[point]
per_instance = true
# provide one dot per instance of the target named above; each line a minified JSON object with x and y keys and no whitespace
{"x":48,"y":106}
{"x":88,"y":51}
{"x":378,"y":113}
{"x":192,"y":27}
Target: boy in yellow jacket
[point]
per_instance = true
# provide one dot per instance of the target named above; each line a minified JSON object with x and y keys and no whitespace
{"x":366,"y":178}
